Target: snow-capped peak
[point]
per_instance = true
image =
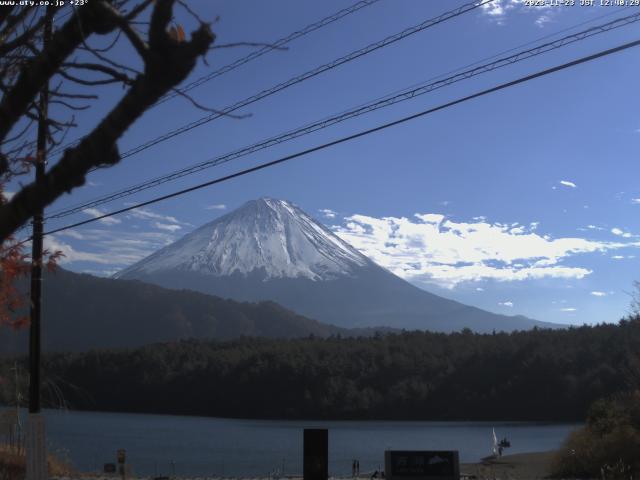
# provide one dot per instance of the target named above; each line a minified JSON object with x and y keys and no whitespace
{"x":267,"y":236}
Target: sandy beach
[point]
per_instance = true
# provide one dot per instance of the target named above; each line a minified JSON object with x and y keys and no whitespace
{"x":532,"y":465}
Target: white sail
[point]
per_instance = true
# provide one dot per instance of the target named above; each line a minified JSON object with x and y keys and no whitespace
{"x":495,"y":442}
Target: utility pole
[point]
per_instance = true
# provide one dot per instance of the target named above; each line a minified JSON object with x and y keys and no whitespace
{"x":36,"y":436}
{"x":18,"y":422}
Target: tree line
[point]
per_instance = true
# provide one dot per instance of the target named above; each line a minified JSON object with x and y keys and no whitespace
{"x":528,"y":375}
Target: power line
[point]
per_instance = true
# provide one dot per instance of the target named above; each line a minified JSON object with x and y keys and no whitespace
{"x":363,"y":133}
{"x":307,"y":75}
{"x":277,"y":44}
{"x":384,"y":102}
{"x":251,"y":56}
{"x":503,"y":52}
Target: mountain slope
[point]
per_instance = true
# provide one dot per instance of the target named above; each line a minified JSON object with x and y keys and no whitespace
{"x":81,"y":312}
{"x":269,"y":236}
{"x":271,"y":250}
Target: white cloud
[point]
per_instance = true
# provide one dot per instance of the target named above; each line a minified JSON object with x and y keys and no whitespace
{"x":148,"y":214}
{"x":112,"y":248}
{"x":167,"y":226}
{"x":618,"y":257}
{"x":479,"y":289}
{"x":101,"y":273}
{"x":73,"y":234}
{"x":328,"y":213}
{"x":432,"y":218}
{"x":568,"y":309}
{"x":494,"y":9}
{"x":506,"y":304}
{"x":217,"y":206}
{"x":498,"y":10}
{"x":95,"y":213}
{"x":635,"y":201}
{"x":620,"y":233}
{"x":597,"y":293}
{"x":72,"y":254}
{"x":567,"y":183}
{"x":8,"y":195}
{"x":432,"y":249}
{"x":542,"y":20}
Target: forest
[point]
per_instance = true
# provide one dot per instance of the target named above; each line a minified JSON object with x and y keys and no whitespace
{"x":546,"y":375}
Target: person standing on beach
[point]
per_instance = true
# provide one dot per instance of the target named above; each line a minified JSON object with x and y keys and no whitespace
{"x":353,"y":468}
{"x":357,"y":467}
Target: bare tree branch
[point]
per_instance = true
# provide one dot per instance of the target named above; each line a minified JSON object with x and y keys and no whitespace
{"x":123,"y":24}
{"x":82,"y":81}
{"x":135,"y":11}
{"x":68,"y":105}
{"x":97,"y":67}
{"x":199,"y":106}
{"x":104,"y":49}
{"x":5,"y":13}
{"x":19,"y":134}
{"x":20,"y":39}
{"x":167,"y":63}
{"x":90,"y":19}
{"x":104,"y":58}
{"x":12,"y":23}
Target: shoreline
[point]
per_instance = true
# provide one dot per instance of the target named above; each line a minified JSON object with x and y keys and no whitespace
{"x":489,"y":422}
{"x":518,"y":466}
{"x":531,"y":465}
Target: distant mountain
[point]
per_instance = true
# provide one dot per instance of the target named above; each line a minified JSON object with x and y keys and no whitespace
{"x":81,"y":312}
{"x":266,"y":238}
{"x":270,"y":249}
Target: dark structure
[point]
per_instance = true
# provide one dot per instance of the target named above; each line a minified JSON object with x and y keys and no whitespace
{"x":422,"y":465}
{"x":316,"y":454}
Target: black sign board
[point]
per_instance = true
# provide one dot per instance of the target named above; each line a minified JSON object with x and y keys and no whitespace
{"x":422,"y":465}
{"x":316,"y":454}
{"x":109,"y":468}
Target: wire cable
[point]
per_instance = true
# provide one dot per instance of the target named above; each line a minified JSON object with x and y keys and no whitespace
{"x":384,"y":102}
{"x":363,"y":133}
{"x":250,"y":57}
{"x":467,"y":7}
{"x":275,"y":45}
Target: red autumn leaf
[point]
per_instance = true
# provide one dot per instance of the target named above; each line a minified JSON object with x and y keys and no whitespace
{"x":14,"y":264}
{"x":20,"y":323}
{"x":181,"y":35}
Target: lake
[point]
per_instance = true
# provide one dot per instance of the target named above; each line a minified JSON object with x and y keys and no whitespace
{"x":199,"y":446}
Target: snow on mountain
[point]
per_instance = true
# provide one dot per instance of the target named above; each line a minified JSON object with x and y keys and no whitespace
{"x":267,"y":236}
{"x":271,"y":250}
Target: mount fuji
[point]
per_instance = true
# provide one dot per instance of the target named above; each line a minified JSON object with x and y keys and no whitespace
{"x":270,"y":249}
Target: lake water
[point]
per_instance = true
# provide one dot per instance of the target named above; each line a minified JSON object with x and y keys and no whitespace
{"x":198,"y":446}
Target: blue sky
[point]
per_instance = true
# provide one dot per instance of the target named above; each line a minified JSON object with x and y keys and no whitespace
{"x":526,"y":201}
